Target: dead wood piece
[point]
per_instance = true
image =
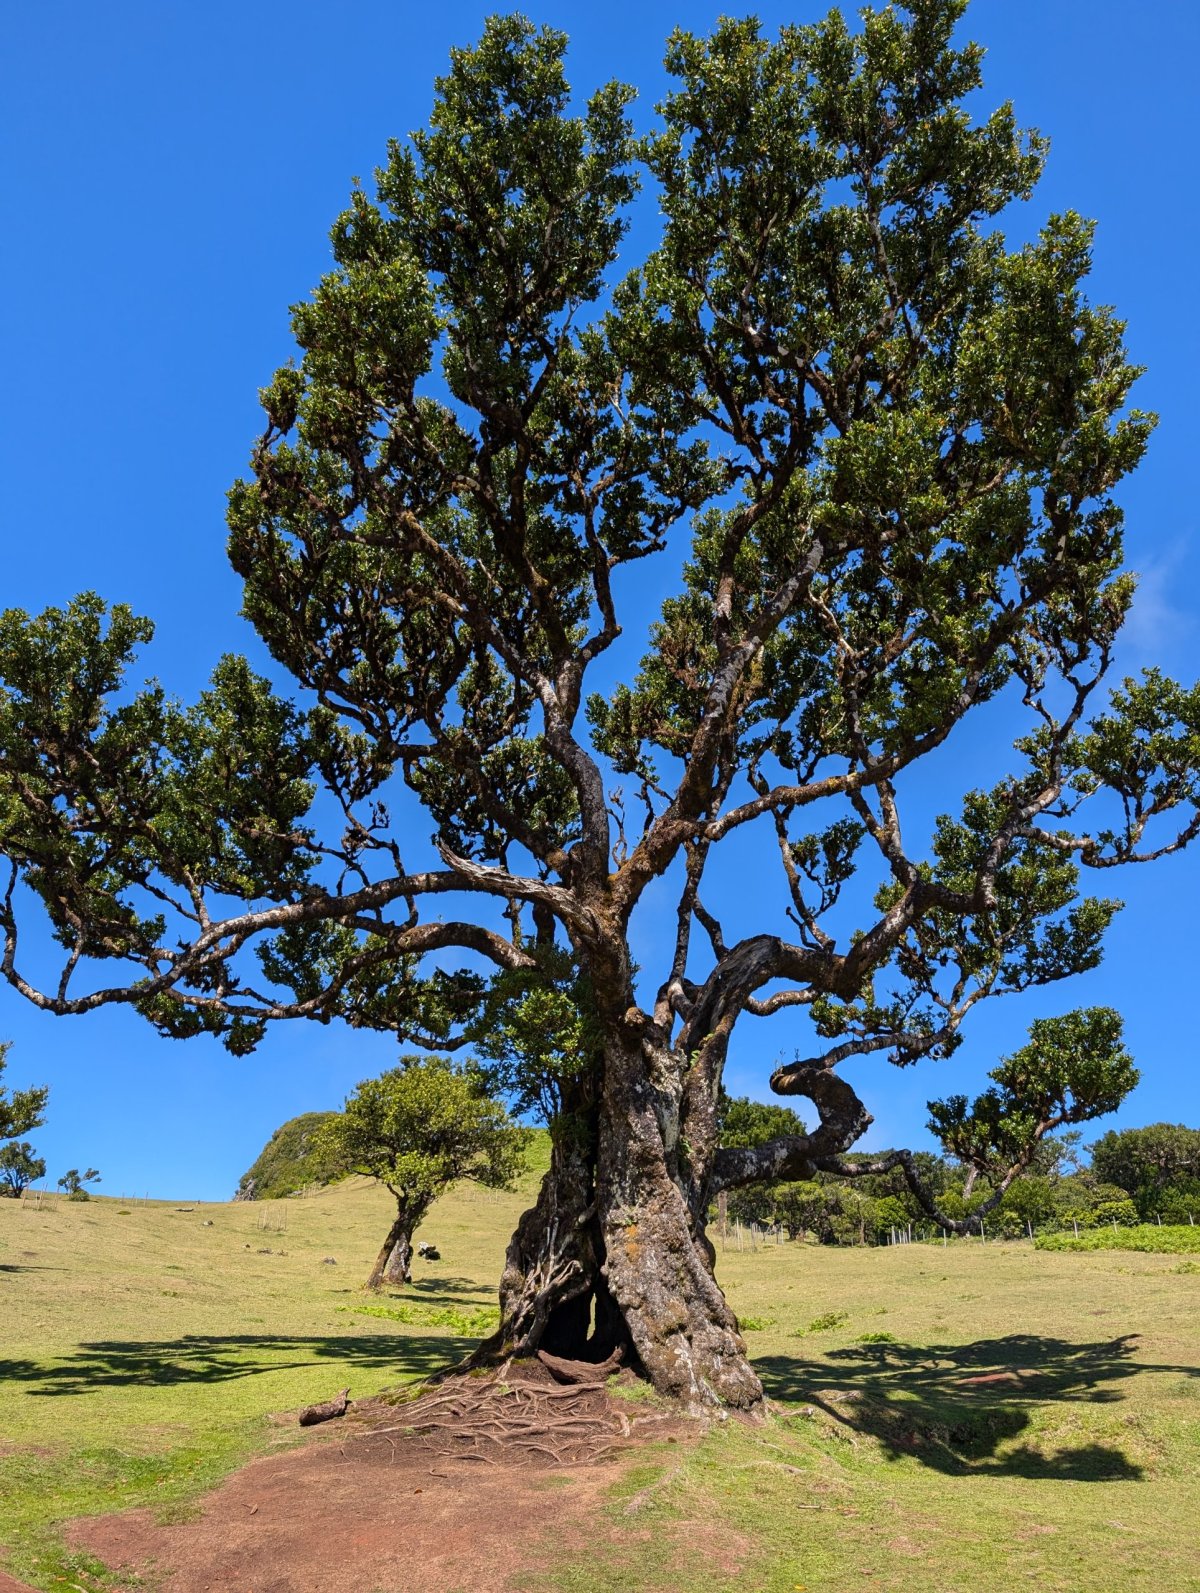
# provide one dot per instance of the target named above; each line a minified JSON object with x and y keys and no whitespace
{"x":312,"y":1414}
{"x":582,"y":1371}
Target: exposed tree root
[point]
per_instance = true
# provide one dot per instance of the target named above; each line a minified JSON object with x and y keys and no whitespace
{"x":590,"y":1372}
{"x":514,"y":1416}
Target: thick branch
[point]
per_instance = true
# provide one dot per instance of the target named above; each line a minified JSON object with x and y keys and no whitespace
{"x":223,"y":939}
{"x":843,"y":1118}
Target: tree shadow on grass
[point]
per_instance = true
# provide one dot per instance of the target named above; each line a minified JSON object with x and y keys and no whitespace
{"x":953,"y":1407}
{"x":448,"y":1291}
{"x":199,"y":1358}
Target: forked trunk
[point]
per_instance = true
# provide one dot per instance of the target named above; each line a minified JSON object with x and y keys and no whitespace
{"x":613,"y":1253}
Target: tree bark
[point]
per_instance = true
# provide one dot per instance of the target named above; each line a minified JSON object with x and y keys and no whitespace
{"x":658,"y":1260}
{"x":326,"y":1410}
{"x":399,"y":1261}
{"x":614,"y":1254}
{"x":394,"y":1260}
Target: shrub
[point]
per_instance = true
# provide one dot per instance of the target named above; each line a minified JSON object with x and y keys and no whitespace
{"x":831,"y":1319}
{"x":1123,"y":1212}
{"x":1148,"y":1236}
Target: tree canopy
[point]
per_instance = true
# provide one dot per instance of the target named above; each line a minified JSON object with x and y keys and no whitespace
{"x":21,"y":1111}
{"x":424,"y":1125}
{"x":20,"y":1166}
{"x":1159,"y":1165}
{"x":419,"y":1128}
{"x":879,"y":450}
{"x":73,"y":1182}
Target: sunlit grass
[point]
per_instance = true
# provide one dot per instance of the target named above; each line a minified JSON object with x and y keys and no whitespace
{"x":957,"y":1420}
{"x":973,"y":1417}
{"x":146,"y":1348}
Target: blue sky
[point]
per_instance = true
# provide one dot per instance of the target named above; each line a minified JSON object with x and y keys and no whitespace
{"x":168,"y":174}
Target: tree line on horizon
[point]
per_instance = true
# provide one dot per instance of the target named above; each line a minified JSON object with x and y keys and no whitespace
{"x":1135,"y":1174}
{"x":1126,"y":1176}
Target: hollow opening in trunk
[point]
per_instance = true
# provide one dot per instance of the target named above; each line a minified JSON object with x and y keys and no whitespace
{"x":588,"y":1328}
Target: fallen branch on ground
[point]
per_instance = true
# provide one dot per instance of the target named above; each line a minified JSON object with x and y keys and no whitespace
{"x":582,"y":1371}
{"x":312,"y":1414}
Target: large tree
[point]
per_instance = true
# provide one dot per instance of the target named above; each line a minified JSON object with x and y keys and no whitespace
{"x":878,"y":446}
{"x":1157,"y":1165}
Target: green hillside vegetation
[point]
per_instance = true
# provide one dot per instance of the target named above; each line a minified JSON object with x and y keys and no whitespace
{"x":1146,"y":1175}
{"x":968,"y":1416}
{"x":290,"y":1161}
{"x":1169,"y":1239}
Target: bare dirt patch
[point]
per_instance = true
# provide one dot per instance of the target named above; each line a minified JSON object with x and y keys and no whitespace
{"x":9,"y":1584}
{"x":466,"y":1487}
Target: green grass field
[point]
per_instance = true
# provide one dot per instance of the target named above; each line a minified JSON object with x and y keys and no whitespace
{"x":970,"y":1417}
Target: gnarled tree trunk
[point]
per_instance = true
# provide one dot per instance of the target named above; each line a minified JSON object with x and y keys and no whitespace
{"x":614,"y":1252}
{"x":658,"y":1261}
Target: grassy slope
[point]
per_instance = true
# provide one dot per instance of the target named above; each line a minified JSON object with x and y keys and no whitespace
{"x":143,"y":1354}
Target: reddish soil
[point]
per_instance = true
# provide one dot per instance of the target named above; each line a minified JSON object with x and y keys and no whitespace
{"x":349,"y":1512}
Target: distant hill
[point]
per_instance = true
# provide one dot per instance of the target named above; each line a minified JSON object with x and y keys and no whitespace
{"x":287,"y":1161}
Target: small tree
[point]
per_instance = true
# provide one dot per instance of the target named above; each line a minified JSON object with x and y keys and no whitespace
{"x":73,"y":1181}
{"x":418,"y":1129}
{"x":19,"y":1167}
{"x":803,"y":1207}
